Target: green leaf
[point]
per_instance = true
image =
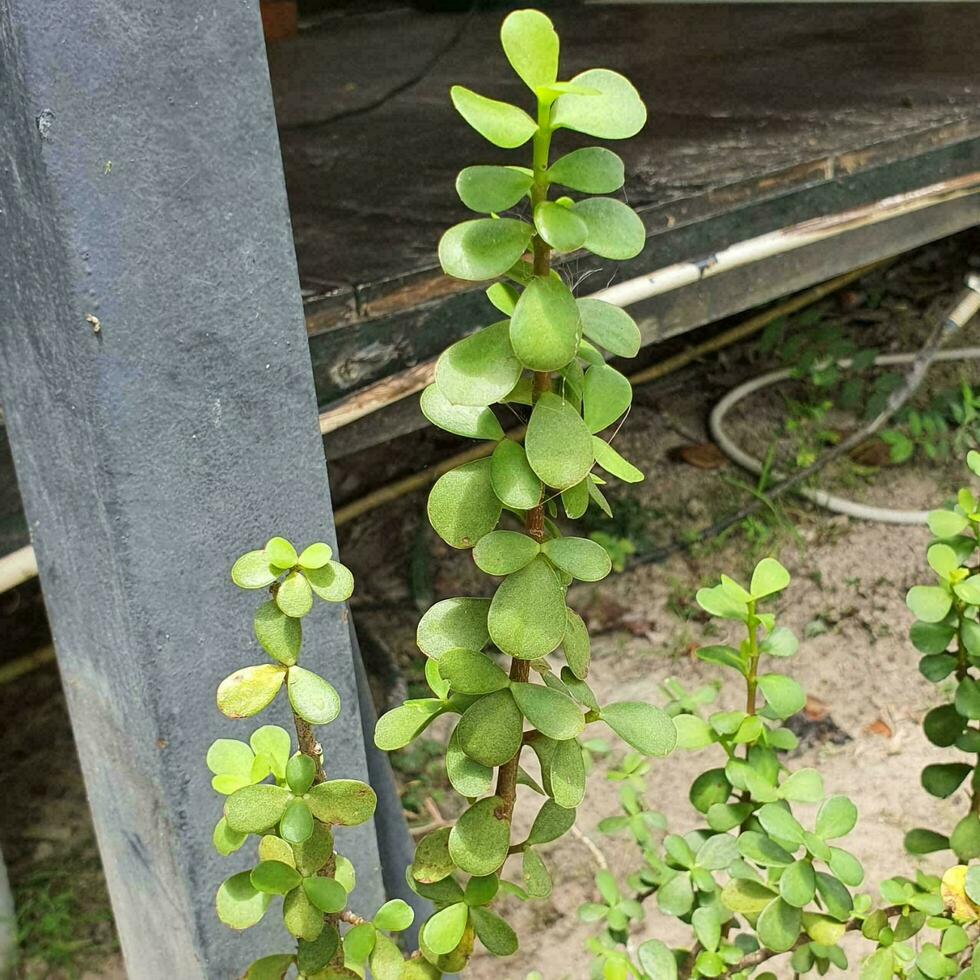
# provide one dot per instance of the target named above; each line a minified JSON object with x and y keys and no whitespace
{"x":692,"y":732}
{"x":313,"y":956}
{"x":492,"y":189}
{"x":930,"y":603}
{"x":315,"y":555}
{"x":781,"y":642}
{"x":777,"y":821}
{"x":326,"y":894}
{"x":782,"y":693}
{"x":947,"y":523}
{"x":592,"y":170}
{"x":493,"y":932}
{"x":562,"y":770}
{"x":707,"y":926}
{"x":462,"y":505}
{"x":502,"y":124}
{"x":280,"y":553}
{"x":836,"y":817}
{"x":239,"y":903}
{"x":300,"y":773}
{"x":294,"y":596}
{"x":576,"y":644}
{"x":254,"y":809}
{"x":581,"y":558}
{"x":944,"y":779}
{"x":233,"y":760}
{"x":301,"y":918}
{"x":275,"y":744}
{"x":968,"y":590}
{"x":607,"y":396}
{"x":968,"y":698}
{"x":647,"y":728}
{"x":617,"y":113}
{"x":359,"y":943}
{"x":552,"y":713}
{"x":942,"y":560}
{"x":296,"y":825}
{"x":225,"y":840}
{"x":398,"y":727}
{"x":965,"y":838}
{"x":503,"y":552}
{"x":480,"y":839}
{"x":802,"y":786}
{"x":723,"y":656}
{"x":835,"y":897}
{"x":922,"y":841}
{"x":614,"y":229}
{"x":931,"y":638}
{"x":469,"y":421}
{"x":504,"y":297}
{"x":537,"y":880}
{"x":657,"y":961}
{"x":456,"y":622}
{"x":467,"y":777}
{"x":514,"y":482}
{"x":527,"y":615}
{"x":254,"y":571}
{"x":553,"y":821}
{"x":480,"y":369}
{"x":746,"y":896}
{"x":797,"y":884}
{"x":444,"y":931}
{"x":470,"y":672}
{"x":768,"y":578}
{"x":274,"y":877}
{"x":531,"y":45}
{"x":880,"y":965}
{"x":779,"y":925}
{"x":272,"y":967}
{"x":394,"y":916}
{"x":763,"y":850}
{"x":249,"y":690}
{"x":676,"y":896}
{"x":558,"y":443}
{"x":311,"y":697}
{"x":575,"y":500}
{"x":613,"y":463}
{"x":609,"y":327}
{"x":281,"y":636}
{"x":433,"y":861}
{"x":822,"y":929}
{"x":545,"y":329}
{"x":943,"y":725}
{"x":343,"y":802}
{"x":491,"y":728}
{"x":563,"y":230}
{"x":483,"y":248}
{"x":332,"y":583}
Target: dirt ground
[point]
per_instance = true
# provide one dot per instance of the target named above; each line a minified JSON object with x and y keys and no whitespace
{"x":846,"y":603}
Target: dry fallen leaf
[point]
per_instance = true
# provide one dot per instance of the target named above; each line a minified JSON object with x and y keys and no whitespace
{"x":703,"y":455}
{"x":815,"y":709}
{"x":872,"y":453}
{"x":879,"y":727}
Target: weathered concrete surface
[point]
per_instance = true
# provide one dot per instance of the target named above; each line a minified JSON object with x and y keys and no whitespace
{"x":159,"y":401}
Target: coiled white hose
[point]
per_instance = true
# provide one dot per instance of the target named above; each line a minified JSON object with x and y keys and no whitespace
{"x":839,"y":505}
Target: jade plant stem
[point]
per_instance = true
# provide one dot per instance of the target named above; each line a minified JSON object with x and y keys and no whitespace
{"x":520,"y":670}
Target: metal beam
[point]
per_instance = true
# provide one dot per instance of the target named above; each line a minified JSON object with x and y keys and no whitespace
{"x":159,"y":402}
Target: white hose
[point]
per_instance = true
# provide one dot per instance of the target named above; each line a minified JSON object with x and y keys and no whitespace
{"x":840,"y":505}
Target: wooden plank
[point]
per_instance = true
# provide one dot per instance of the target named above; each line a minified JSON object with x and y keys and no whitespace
{"x":141,"y":191}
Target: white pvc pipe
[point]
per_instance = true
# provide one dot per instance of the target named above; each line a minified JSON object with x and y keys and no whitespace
{"x":839,"y":505}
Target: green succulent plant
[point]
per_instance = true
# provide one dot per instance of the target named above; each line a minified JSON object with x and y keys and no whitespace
{"x":511,"y":665}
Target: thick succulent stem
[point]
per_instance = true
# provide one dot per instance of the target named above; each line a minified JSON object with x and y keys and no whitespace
{"x":534,"y":521}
